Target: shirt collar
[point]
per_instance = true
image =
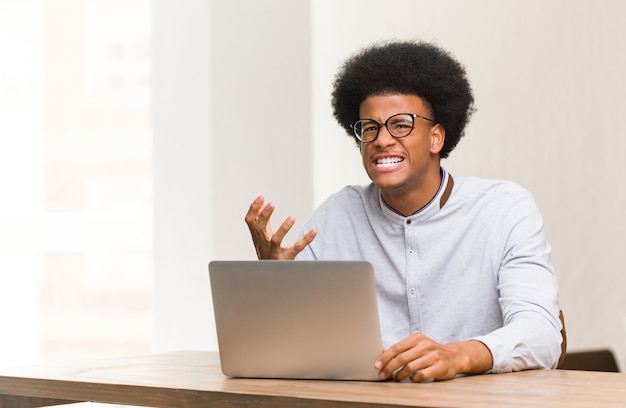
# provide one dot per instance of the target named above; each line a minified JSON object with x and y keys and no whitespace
{"x":433,"y":206}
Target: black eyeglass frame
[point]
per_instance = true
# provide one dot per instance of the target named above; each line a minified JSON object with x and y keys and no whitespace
{"x":413,"y":115}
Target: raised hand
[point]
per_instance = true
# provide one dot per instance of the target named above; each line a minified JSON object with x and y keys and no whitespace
{"x":268,"y":243}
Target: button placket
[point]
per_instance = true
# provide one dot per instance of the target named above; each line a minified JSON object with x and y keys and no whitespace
{"x":411,"y":274}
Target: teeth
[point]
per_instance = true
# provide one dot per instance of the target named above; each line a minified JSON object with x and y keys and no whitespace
{"x":388,"y":161}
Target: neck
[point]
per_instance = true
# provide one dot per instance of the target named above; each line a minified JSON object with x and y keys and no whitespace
{"x":410,"y":202}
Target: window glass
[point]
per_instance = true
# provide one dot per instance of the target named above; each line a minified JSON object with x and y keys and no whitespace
{"x":75,"y":176}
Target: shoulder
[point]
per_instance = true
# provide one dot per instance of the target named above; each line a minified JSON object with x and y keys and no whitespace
{"x":492,"y":199}
{"x":350,"y":204}
{"x":472,"y":188}
{"x":352,"y":195}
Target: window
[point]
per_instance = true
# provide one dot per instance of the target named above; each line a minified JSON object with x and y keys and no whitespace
{"x":75,"y":176}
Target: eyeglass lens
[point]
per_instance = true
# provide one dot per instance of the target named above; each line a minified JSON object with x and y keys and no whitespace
{"x":399,"y":125}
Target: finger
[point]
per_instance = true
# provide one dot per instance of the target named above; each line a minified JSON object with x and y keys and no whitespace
{"x":391,"y":352}
{"x":418,"y":376}
{"x":416,"y":369}
{"x":434,"y":370}
{"x":304,"y":241}
{"x":253,"y":212}
{"x":293,"y":251}
{"x":265,"y":214}
{"x":390,"y":361}
{"x":382,"y":364}
{"x":279,"y":235}
{"x":397,"y":356}
{"x":261,"y":226}
{"x":425,"y":363}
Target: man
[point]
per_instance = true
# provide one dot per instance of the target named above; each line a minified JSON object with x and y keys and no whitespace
{"x":463,"y":272}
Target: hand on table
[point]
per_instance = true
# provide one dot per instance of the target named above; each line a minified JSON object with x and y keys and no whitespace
{"x":420,"y":358}
{"x":268,"y":243}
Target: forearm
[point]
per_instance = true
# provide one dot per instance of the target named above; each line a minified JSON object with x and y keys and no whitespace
{"x":524,"y":344}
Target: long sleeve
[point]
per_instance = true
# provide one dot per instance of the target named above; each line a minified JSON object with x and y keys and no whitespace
{"x":476,"y":268}
{"x":528,"y":293}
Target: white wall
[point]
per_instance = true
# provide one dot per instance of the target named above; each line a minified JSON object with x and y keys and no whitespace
{"x":182,"y":171}
{"x":547,"y":77}
{"x":231,"y":97}
{"x":548,"y":86}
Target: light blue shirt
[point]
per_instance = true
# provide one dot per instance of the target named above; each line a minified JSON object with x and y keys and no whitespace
{"x":476,"y":268}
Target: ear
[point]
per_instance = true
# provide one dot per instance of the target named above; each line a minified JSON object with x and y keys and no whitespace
{"x":437,"y":137}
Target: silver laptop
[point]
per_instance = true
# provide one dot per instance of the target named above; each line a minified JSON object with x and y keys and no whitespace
{"x":296,"y":319}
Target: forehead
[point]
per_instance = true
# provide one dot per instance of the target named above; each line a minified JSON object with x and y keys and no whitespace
{"x":380,"y":107}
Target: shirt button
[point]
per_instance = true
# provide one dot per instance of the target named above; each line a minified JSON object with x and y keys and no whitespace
{"x":410,"y":252}
{"x":408,"y":222}
{"x":412,"y":291}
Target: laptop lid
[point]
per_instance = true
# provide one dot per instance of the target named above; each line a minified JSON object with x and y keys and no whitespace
{"x":296,"y":319}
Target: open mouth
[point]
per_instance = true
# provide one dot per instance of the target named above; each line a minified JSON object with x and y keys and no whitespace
{"x":389,"y":161}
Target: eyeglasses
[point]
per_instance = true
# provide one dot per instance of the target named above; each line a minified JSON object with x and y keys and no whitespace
{"x":399,"y":125}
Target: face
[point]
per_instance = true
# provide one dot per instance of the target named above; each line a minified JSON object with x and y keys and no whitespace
{"x":407,"y":166}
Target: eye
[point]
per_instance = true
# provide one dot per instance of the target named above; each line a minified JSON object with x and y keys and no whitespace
{"x":369,"y":127}
{"x":400,"y":124}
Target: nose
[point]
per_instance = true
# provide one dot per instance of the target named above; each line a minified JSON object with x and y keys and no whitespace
{"x":384,"y":137}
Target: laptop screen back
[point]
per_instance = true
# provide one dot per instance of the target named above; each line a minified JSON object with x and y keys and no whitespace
{"x":296,"y":319}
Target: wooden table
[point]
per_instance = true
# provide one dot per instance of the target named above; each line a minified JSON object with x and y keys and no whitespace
{"x":193,"y":379}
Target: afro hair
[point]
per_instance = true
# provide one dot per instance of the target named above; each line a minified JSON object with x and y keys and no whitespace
{"x":407,"y":68}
